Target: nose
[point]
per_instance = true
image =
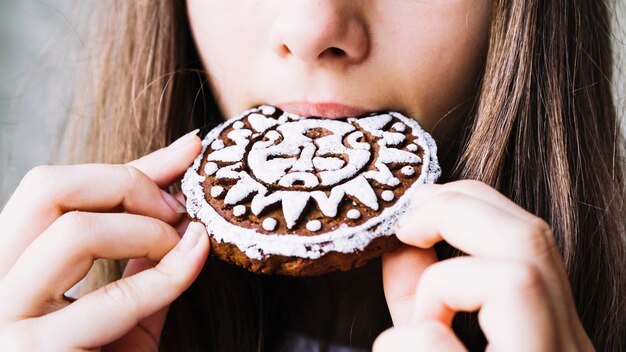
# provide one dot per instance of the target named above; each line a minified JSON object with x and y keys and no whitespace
{"x":322,"y":30}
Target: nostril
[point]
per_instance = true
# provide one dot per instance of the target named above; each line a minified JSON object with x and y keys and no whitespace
{"x":283,"y":50}
{"x":335,"y":52}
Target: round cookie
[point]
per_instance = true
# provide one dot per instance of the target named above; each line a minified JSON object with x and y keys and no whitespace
{"x":283,"y":194}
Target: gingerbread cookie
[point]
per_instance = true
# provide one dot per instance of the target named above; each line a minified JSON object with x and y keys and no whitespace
{"x":283,"y":194}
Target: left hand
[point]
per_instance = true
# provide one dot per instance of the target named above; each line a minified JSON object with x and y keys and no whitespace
{"x":514,"y":275}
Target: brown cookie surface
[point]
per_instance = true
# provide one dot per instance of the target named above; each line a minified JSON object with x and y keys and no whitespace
{"x":304,"y":196}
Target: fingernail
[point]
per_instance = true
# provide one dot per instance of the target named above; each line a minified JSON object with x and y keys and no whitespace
{"x":191,"y":237}
{"x":173,"y":203}
{"x":183,"y":140}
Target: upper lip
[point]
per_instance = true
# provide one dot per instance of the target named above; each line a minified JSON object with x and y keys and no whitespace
{"x":329,"y":110}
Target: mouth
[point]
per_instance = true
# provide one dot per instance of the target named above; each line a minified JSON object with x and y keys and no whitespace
{"x":327,"y":110}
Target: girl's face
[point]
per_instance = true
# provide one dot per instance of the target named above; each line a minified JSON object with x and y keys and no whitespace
{"x":333,"y":58}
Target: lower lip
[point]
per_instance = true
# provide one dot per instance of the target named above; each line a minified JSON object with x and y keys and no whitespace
{"x":325,"y":110}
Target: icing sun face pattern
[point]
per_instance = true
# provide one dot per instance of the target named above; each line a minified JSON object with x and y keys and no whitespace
{"x":273,"y":183}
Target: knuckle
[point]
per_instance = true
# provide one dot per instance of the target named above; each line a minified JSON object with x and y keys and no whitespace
{"x":536,"y":238}
{"x":429,"y":275}
{"x":39,"y":174}
{"x":75,"y":223}
{"x":158,"y":228}
{"x":38,"y":178}
{"x":473,"y":184}
{"x":132,"y":176}
{"x":123,"y":293}
{"x":170,"y":275}
{"x":450,"y":197}
{"x":524,"y":277}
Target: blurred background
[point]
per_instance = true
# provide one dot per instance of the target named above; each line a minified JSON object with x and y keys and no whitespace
{"x":41,"y":44}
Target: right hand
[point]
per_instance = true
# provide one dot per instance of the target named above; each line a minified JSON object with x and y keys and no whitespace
{"x":61,"y":218}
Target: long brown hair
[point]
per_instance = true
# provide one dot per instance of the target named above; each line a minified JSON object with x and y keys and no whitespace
{"x":543,"y":131}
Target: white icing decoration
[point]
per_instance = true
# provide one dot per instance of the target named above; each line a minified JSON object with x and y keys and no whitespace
{"x":387,"y":196}
{"x":242,"y":189}
{"x":328,"y":163}
{"x":373,"y":124}
{"x":261,"y":123}
{"x":399,"y":127}
{"x":353,"y":214}
{"x":210,"y":168}
{"x":307,"y":179}
{"x":217,"y":144}
{"x":314,"y":225}
{"x":293,"y":205}
{"x":238,"y":125}
{"x":291,"y":159}
{"x":269,"y":224}
{"x":344,"y":238}
{"x":216,"y":191}
{"x":230,"y":172}
{"x":411,"y":147}
{"x":260,"y":201}
{"x":239,"y":210}
{"x":408,"y":170}
{"x":268,"y":110}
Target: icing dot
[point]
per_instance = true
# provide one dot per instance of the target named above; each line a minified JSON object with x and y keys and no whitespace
{"x":268,"y":110}
{"x":387,"y":195}
{"x":217,"y":144}
{"x":408,"y":170}
{"x":269,"y":224}
{"x":399,"y":126}
{"x":238,"y":125}
{"x":313,"y":225}
{"x":239,"y":210}
{"x":210,"y":168}
{"x":353,"y":214}
{"x":216,"y":191}
{"x":411,"y":147}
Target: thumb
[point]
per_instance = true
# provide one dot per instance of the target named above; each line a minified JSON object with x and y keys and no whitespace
{"x":166,"y":165}
{"x":401,"y":272}
{"x":152,"y":324}
{"x":122,"y":306}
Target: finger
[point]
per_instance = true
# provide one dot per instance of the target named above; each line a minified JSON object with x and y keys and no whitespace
{"x":426,"y":336}
{"x":45,"y":195}
{"x":475,"y":189}
{"x":65,"y":252}
{"x":47,"y":192}
{"x":515,"y":312}
{"x":176,"y":157}
{"x":475,"y":227}
{"x":485,"y":230}
{"x":401,"y":272}
{"x":145,"y":335}
{"x":121,"y":305}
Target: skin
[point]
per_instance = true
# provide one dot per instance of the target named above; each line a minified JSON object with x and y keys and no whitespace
{"x":417,"y":57}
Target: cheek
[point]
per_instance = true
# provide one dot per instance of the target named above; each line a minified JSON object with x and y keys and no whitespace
{"x":228,"y":35}
{"x":440,"y":58}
